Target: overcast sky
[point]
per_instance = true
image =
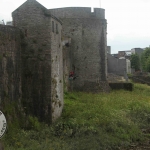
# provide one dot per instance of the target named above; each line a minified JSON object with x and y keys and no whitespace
{"x":128,"y":20}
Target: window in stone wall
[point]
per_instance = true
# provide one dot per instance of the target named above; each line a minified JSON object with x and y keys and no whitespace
{"x":56,"y":28}
{"x":52,"y":26}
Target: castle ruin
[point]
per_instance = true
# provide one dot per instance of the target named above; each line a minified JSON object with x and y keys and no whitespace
{"x":42,"y":47}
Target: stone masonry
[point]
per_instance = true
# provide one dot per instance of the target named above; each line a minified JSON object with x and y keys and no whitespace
{"x":42,"y":47}
{"x":87,"y":31}
{"x":10,"y":64}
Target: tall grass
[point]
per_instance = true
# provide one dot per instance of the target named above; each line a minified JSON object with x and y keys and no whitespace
{"x":92,"y":122}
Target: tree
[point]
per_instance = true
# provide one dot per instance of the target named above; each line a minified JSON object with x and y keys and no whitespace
{"x":148,"y":64}
{"x":135,"y":62}
{"x":145,"y":59}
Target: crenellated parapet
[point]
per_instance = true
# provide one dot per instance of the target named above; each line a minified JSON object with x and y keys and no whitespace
{"x":78,"y":12}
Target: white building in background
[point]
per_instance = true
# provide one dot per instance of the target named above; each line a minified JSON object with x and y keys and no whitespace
{"x":128,"y":66}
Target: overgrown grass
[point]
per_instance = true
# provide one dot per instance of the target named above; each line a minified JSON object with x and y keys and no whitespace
{"x":90,"y":121}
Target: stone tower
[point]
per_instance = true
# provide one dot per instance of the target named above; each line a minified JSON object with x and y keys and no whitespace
{"x":42,"y":71}
{"x":87,"y":51}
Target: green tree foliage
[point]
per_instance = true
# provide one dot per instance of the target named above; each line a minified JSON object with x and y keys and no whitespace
{"x":145,"y":59}
{"x":135,"y":62}
{"x":148,"y":64}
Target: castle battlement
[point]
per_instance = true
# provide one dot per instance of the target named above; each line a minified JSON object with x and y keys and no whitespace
{"x":78,"y":12}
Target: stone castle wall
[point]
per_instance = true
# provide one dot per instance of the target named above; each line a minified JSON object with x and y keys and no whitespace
{"x":88,"y":45}
{"x":42,"y":50}
{"x":10,"y":64}
{"x":116,"y":66}
{"x":78,"y":12}
{"x":42,"y":61}
{"x":67,"y":62}
{"x":29,"y":12}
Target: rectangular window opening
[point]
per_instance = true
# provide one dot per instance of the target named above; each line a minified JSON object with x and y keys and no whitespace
{"x":56,"y":28}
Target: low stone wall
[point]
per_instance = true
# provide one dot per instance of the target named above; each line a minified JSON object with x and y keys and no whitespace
{"x":94,"y":87}
{"x":118,"y":86}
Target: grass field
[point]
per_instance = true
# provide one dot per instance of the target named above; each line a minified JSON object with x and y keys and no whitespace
{"x":89,"y":122}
